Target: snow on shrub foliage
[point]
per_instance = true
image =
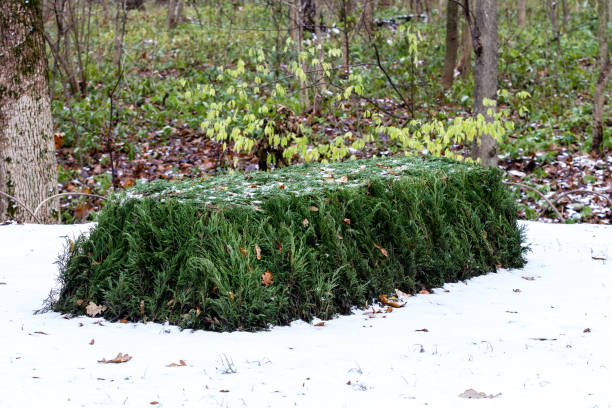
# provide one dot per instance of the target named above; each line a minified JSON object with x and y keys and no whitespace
{"x":246,"y":251}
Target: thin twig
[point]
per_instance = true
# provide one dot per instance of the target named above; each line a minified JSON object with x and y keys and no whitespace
{"x":521,"y":185}
{"x":66,"y":194}
{"x":22,"y":205}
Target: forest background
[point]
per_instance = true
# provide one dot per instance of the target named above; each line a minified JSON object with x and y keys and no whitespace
{"x":142,"y":90}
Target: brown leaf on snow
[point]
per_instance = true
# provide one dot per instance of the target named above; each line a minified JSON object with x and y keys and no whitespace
{"x":385,"y":301}
{"x":587,"y":330}
{"x":267,"y":278}
{"x":258,"y":252}
{"x":382,"y":250}
{"x":181,"y":363}
{"x":388,"y":309}
{"x":473,"y":394}
{"x":153,"y":403}
{"x":124,"y":320}
{"x":91,"y":343}
{"x":121,"y":358}
{"x":424,"y":292}
{"x":423,"y":330}
{"x":223,"y":390}
{"x":320,"y":324}
{"x":93,"y":310}
{"x":516,"y":290}
{"x":529,"y":278}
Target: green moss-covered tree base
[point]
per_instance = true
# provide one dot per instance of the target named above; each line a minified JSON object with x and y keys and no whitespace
{"x":197,"y":253}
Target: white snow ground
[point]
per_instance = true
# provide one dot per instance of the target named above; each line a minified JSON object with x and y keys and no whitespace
{"x":500,"y":333}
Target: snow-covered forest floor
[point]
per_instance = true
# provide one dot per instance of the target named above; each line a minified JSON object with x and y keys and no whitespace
{"x":540,"y":336}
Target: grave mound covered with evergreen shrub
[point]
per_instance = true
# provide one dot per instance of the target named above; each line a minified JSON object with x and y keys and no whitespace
{"x":244,"y":251}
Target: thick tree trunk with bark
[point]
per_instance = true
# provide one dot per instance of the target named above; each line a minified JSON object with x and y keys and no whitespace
{"x":452,"y":42}
{"x":27,"y":151}
{"x":484,"y":40}
{"x":604,"y":75}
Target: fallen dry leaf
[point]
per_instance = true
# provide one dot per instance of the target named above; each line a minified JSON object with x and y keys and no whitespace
{"x":423,"y":330}
{"x":223,"y":390}
{"x":423,"y":292}
{"x":244,"y":251}
{"x":41,"y":332}
{"x":231,"y":295}
{"x":91,"y":343}
{"x":124,"y":320}
{"x":320,"y":324}
{"x":400,"y":294}
{"x":121,"y":358}
{"x":473,"y":394}
{"x":153,"y":403}
{"x":79,"y":302}
{"x":587,"y":330}
{"x":267,"y":278}
{"x":181,"y":363}
{"x":347,"y":220}
{"x":278,"y":246}
{"x":93,"y":310}
{"x":385,"y":301}
{"x":530,"y":278}
{"x":305,"y":223}
{"x":516,"y":290}
{"x":258,"y":252}
{"x":342,"y":179}
{"x":313,"y":208}
{"x":382,"y":250}
{"x":388,"y":309}
{"x":170,"y":302}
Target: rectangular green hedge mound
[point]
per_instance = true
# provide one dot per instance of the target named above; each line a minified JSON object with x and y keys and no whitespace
{"x":246,"y":251}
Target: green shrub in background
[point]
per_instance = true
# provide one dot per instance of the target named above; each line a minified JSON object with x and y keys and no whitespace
{"x":244,"y":251}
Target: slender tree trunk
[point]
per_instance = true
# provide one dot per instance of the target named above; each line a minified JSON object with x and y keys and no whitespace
{"x":344,"y":17}
{"x":320,"y":89}
{"x":604,"y":75}
{"x":27,"y":152}
{"x":521,"y":12}
{"x":367,"y":16}
{"x":175,"y":13}
{"x":565,"y":9}
{"x":465,"y":63}
{"x":452,"y":41}
{"x":484,"y":41}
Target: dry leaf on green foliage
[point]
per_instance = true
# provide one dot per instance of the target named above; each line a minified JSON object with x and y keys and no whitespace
{"x":121,"y":358}
{"x":266,"y":278}
{"x":258,"y":252}
{"x":382,"y":250}
{"x":93,"y":310}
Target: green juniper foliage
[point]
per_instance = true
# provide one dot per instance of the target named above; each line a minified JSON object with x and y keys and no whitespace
{"x":195,"y":253}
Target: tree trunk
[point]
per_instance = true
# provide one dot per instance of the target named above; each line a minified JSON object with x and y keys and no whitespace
{"x":175,"y":13}
{"x":484,"y":41}
{"x":28,"y":169}
{"x":367,"y":17}
{"x":604,"y":75}
{"x":521,"y":11}
{"x":465,"y":63}
{"x":452,"y":41}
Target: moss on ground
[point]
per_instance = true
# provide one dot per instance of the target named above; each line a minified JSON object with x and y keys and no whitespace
{"x":243,"y":251}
